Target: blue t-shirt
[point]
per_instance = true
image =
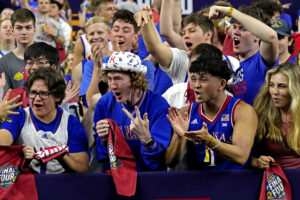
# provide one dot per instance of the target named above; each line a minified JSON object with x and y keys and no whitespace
{"x":159,"y":126}
{"x":221,"y":128}
{"x":88,"y":72}
{"x":77,"y":138}
{"x":249,"y":78}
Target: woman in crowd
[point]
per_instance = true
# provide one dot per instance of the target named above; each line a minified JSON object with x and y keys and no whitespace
{"x":43,"y":124}
{"x":68,"y":65}
{"x":278,"y":107}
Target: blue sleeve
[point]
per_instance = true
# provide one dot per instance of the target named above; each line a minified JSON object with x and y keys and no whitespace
{"x":14,"y":123}
{"x":150,"y":72}
{"x":101,"y":151}
{"x":160,"y":129}
{"x":77,"y":138}
{"x":86,"y":77}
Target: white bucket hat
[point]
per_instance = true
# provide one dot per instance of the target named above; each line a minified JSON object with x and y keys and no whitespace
{"x":124,"y":61}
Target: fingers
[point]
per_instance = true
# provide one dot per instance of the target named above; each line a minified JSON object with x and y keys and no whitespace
{"x":102,"y":128}
{"x":128,"y":114}
{"x":7,"y":95}
{"x":28,"y":152}
{"x":204,"y":126}
{"x":186,"y":116}
{"x":3,"y":76}
{"x":145,"y":116}
{"x":115,"y":45}
{"x":137,"y":112}
{"x":13,"y":106}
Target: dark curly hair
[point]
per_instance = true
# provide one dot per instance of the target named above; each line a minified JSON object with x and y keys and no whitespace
{"x":53,"y":79}
{"x":211,"y":62}
{"x":128,"y":17}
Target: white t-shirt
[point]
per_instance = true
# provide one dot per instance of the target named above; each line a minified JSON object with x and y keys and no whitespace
{"x":179,"y":66}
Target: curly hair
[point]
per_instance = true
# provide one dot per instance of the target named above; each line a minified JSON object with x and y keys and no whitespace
{"x":210,"y":60}
{"x":53,"y":79}
{"x":269,"y":116}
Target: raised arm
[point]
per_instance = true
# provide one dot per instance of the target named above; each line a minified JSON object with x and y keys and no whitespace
{"x":24,"y":4}
{"x":269,"y":41}
{"x":154,"y":45}
{"x":170,"y":20}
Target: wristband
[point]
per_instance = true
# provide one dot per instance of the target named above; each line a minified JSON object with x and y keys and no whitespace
{"x":216,"y":146}
{"x":230,"y":11}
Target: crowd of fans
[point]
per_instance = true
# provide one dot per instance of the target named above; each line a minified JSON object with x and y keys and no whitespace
{"x":215,"y":90}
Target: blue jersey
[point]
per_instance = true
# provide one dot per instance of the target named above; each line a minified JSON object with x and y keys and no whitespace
{"x":221,"y":127}
{"x":77,"y":138}
{"x":159,"y":126}
{"x":249,"y":78}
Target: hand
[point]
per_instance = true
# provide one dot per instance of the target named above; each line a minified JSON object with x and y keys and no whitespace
{"x":143,"y":17}
{"x":71,"y":91}
{"x":179,"y":124}
{"x":102,"y":129}
{"x":216,"y":12}
{"x":139,"y":126}
{"x":7,"y":105}
{"x":115,"y":45}
{"x":28,"y":152}
{"x":263,"y":162}
{"x":286,"y":5}
{"x":2,"y":81}
{"x":49,"y":31}
{"x":199,"y":136}
{"x":97,"y":53}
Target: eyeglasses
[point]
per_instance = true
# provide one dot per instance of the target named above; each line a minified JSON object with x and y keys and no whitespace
{"x":39,"y":63}
{"x":43,"y":95}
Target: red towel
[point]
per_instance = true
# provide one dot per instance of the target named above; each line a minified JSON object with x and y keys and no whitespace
{"x":51,"y":153}
{"x":23,"y":96}
{"x":122,"y":161}
{"x":16,"y":182}
{"x":275,"y":185}
{"x":189,"y":94}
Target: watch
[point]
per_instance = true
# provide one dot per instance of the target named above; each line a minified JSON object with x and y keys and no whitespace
{"x":149,"y":143}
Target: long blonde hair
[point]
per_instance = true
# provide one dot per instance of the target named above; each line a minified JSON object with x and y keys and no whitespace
{"x":269,"y":116}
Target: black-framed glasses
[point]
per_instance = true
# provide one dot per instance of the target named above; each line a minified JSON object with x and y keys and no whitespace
{"x":43,"y":95}
{"x":38,"y":62}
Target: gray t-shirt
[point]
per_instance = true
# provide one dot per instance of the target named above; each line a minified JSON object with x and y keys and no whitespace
{"x":41,"y":35}
{"x":11,"y":65}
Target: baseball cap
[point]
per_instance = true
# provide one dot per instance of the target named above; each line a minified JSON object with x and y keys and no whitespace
{"x":281,"y":27}
{"x":124,"y":61}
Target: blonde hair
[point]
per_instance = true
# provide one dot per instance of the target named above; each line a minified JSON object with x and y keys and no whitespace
{"x":66,"y":69}
{"x":95,"y":20}
{"x":269,"y":117}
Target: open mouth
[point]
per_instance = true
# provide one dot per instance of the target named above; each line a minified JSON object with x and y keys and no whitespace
{"x":188,"y":44}
{"x":236,"y":41}
{"x":121,"y":42}
{"x":117,"y":94}
{"x":38,"y":105}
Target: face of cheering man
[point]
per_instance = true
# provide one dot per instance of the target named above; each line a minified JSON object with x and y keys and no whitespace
{"x":120,"y":84}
